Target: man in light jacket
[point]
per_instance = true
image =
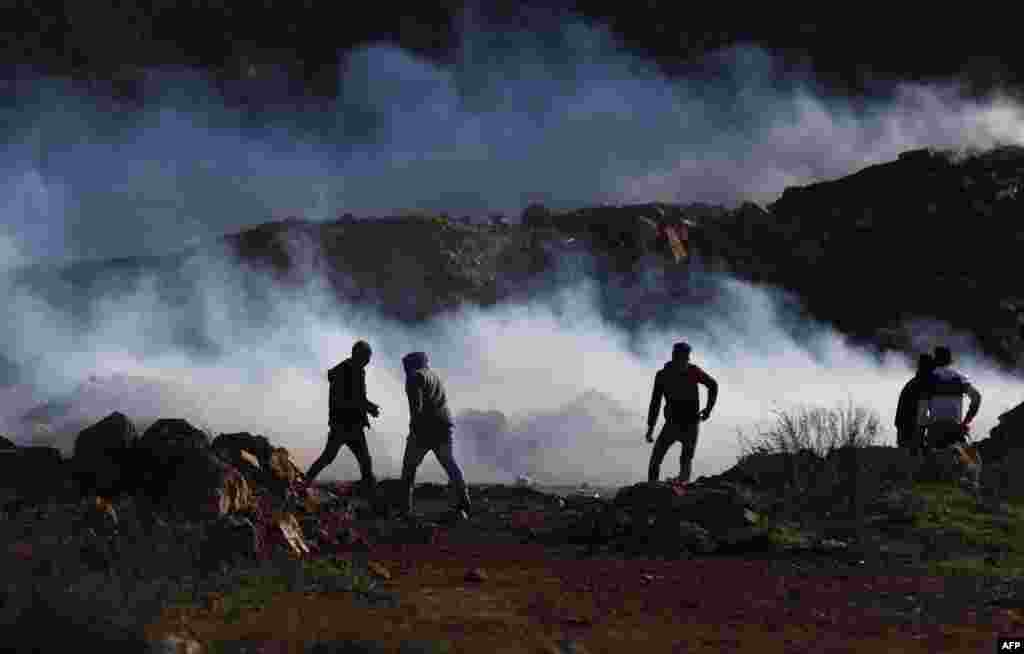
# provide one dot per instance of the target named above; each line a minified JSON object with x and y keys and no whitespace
{"x":431,"y":427}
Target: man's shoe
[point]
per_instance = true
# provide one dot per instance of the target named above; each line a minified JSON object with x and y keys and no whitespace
{"x":457,"y":516}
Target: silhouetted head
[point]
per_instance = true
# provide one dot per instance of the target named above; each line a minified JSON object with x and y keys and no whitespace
{"x":415,"y":361}
{"x":681,"y":353}
{"x":925,"y":364}
{"x":361,"y":353}
{"x":943,"y":356}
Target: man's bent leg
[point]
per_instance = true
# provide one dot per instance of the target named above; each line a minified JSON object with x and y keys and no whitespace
{"x":334,"y":441}
{"x":446,"y":457}
{"x":414,"y":454}
{"x":688,"y":440}
{"x":361,"y":451}
{"x":661,"y":445}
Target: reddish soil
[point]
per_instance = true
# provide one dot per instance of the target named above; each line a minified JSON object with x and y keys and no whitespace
{"x":529,"y":600}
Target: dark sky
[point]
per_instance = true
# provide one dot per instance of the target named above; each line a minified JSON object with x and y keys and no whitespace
{"x":140,"y":129}
{"x":853,"y":51}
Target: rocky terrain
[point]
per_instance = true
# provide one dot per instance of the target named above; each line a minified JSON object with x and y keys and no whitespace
{"x":180,"y":520}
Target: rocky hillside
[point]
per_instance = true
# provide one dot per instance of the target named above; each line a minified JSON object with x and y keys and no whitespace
{"x":926,"y":236}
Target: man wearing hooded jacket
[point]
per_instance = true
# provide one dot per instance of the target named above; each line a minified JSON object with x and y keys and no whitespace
{"x":430,"y":427}
{"x":677,"y":384}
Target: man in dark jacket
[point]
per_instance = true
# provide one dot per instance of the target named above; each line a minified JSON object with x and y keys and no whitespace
{"x":912,"y":407}
{"x":677,"y":383}
{"x":430,"y":429}
{"x":348,"y":409}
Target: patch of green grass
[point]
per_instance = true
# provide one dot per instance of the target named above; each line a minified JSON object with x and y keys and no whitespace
{"x":1012,"y":567}
{"x":253,"y":587}
{"x":952,"y":510}
{"x":786,"y":535}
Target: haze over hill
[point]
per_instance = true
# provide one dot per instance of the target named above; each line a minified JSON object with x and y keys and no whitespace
{"x":238,"y":348}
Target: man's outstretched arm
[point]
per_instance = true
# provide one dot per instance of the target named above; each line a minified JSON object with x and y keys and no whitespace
{"x":709,"y":382}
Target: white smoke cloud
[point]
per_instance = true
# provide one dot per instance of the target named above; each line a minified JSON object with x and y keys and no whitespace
{"x":572,"y":124}
{"x":574,"y":388}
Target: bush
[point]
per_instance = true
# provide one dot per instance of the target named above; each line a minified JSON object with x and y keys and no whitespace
{"x":815,"y":482}
{"x":818,"y":429}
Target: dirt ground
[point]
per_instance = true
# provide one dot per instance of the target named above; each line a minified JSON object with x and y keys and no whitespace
{"x":530,"y":598}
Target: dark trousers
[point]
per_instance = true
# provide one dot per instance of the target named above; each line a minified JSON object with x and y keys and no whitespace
{"x":945,"y":433}
{"x":355,"y":438}
{"x":686,"y":436}
{"x":912,"y":438}
{"x":441,"y":445}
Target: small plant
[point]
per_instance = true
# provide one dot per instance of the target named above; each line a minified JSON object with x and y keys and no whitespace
{"x":815,"y":481}
{"x":818,"y":429}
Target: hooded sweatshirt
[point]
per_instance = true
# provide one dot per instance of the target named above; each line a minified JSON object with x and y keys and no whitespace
{"x":428,"y":404}
{"x":678,"y":385}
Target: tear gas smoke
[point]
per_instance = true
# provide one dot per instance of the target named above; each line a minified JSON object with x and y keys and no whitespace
{"x":573,"y":388}
{"x":570,"y":124}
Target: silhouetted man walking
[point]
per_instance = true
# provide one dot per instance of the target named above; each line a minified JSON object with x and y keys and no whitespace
{"x":430,"y":427}
{"x":677,"y":383}
{"x":348,"y":411}
{"x":912,"y":407}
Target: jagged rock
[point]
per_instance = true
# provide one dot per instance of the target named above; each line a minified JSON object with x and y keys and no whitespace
{"x":35,"y":474}
{"x":283,"y":468}
{"x":171,"y":438}
{"x":231,"y":447}
{"x":657,"y":513}
{"x":183,"y":475}
{"x":205,"y":486}
{"x":100,"y":456}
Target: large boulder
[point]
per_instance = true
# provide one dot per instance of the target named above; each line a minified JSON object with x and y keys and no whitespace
{"x":205,"y":487}
{"x":161,"y":449}
{"x":183,"y":475}
{"x":669,"y":517}
{"x":249,"y":454}
{"x":229,"y":446}
{"x":100,"y":456}
{"x":172,"y":438}
{"x":717,"y":507}
{"x":34,"y":474}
